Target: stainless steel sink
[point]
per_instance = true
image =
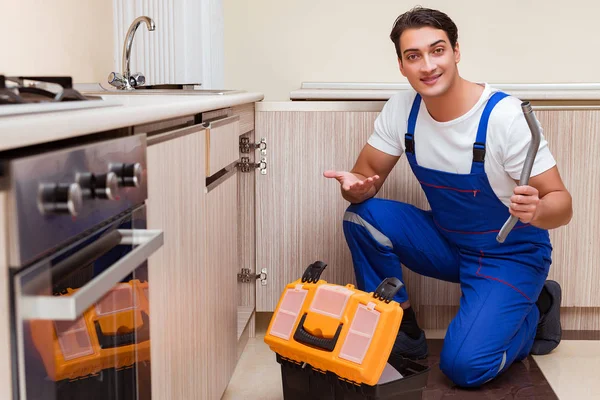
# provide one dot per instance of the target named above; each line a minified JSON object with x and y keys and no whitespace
{"x":171,"y":86}
{"x":192,"y":89}
{"x":183,"y":88}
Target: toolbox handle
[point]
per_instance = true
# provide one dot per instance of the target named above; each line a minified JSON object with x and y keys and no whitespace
{"x":302,"y":336}
{"x":388,"y":289}
{"x":313,"y":272}
{"x":124,"y":339}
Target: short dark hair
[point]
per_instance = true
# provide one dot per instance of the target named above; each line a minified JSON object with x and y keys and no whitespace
{"x":420,"y":17}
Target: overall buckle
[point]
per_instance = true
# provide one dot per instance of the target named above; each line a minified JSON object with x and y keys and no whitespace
{"x":409,"y":143}
{"x":479,"y":152}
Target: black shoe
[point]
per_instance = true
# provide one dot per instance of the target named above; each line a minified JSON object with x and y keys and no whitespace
{"x":407,"y":347}
{"x":549,"y":330}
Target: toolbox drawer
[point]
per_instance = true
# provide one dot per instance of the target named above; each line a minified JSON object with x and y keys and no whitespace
{"x":222,"y":143}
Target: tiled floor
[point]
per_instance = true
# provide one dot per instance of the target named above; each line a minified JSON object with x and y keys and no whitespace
{"x":573,"y":369}
{"x":570,"y":372}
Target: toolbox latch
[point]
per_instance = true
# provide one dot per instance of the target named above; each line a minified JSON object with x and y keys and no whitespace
{"x":313,"y":272}
{"x":388,"y":289}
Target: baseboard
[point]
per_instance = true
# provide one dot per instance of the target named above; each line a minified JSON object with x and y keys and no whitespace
{"x":572,"y":318}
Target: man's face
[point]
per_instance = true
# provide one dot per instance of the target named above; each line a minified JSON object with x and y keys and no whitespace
{"x":428,"y":61}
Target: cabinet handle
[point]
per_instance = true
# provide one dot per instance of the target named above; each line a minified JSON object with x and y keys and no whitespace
{"x":220,"y":122}
{"x":163,"y":137}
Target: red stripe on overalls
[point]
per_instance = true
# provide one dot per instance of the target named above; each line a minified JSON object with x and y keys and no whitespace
{"x":496,"y":279}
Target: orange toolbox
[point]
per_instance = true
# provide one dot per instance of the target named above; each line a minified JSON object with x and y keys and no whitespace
{"x":336,"y":328}
{"x":114,"y":333}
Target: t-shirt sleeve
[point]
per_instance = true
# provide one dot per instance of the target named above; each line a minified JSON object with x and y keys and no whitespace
{"x":388,"y":124}
{"x":517,"y":145}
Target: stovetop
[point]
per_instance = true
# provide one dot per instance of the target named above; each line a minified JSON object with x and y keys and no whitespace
{"x":38,"y":94}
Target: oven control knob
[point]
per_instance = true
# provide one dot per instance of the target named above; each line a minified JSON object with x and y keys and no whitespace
{"x":103,"y":186}
{"x":128,"y":174}
{"x":60,"y":198}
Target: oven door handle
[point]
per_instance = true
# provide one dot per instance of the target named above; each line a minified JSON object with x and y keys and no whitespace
{"x":69,"y":308}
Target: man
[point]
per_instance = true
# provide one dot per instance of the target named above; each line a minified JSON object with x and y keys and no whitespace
{"x":466,"y":143}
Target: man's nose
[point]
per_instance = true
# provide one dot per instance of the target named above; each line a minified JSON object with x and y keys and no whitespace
{"x":428,"y":65}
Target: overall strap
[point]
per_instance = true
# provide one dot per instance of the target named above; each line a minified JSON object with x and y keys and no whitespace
{"x":479,"y":145}
{"x":409,"y":137}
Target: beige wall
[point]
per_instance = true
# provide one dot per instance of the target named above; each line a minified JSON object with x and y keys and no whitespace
{"x":57,"y":37}
{"x":273,"y":45}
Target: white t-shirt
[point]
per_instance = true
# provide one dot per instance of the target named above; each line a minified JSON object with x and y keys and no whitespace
{"x":448,"y":146}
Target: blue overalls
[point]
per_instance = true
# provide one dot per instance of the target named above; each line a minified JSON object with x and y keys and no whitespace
{"x":456,"y":242}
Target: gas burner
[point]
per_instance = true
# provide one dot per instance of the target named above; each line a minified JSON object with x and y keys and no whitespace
{"x":38,"y":94}
{"x":36,"y":89}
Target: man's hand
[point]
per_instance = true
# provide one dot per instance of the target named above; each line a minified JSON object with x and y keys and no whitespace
{"x":524,"y":203}
{"x":354,"y":188}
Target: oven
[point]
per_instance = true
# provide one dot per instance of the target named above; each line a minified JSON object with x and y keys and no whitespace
{"x":78,"y":250}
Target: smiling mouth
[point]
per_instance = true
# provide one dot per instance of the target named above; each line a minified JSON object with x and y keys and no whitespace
{"x":431,"y":79}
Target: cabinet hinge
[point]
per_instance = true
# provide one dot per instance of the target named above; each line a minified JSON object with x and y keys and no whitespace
{"x":246,"y":276}
{"x":246,"y":166}
{"x":246,"y":146}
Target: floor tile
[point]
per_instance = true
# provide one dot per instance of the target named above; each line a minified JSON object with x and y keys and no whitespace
{"x":572,"y":369}
{"x":257,"y":375}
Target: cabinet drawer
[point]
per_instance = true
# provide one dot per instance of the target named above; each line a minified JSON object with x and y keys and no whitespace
{"x":222,"y":143}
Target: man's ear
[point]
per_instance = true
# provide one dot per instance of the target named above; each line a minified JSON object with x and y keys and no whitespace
{"x":457,"y":53}
{"x":401,"y":67}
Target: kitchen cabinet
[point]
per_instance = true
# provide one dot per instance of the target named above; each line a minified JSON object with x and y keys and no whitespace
{"x":223,"y":224}
{"x":299,"y":213}
{"x":245,"y":213}
{"x":201,"y":201}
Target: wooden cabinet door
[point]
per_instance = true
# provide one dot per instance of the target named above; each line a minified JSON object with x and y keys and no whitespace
{"x":177,"y":205}
{"x":574,"y":139}
{"x":247,"y":245}
{"x":220,"y":291}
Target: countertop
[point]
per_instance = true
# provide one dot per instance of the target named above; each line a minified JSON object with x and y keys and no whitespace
{"x":31,"y":129}
{"x":383,"y":91}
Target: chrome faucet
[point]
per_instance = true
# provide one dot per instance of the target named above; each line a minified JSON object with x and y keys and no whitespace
{"x":127,"y":81}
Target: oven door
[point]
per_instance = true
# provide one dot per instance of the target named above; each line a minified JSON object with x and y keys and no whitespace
{"x":82,"y":316}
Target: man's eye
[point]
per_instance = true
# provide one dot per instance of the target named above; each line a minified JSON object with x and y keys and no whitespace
{"x":439,"y":50}
{"x":411,"y":57}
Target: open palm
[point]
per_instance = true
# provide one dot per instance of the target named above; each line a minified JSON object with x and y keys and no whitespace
{"x":351,"y":183}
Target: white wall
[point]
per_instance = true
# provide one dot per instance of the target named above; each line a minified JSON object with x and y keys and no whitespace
{"x":57,"y":37}
{"x":272,"y":46}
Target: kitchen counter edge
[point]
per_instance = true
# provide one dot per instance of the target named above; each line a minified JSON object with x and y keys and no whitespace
{"x":34,"y":129}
